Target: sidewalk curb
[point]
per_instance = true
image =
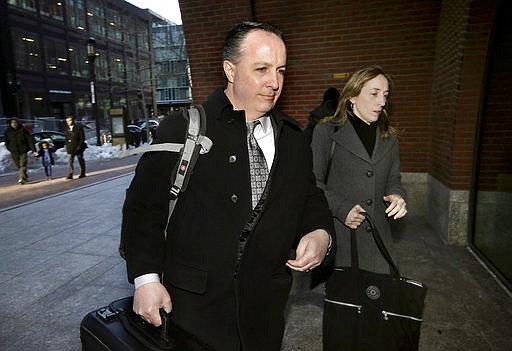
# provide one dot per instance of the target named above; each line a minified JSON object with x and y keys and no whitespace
{"x":64,"y":192}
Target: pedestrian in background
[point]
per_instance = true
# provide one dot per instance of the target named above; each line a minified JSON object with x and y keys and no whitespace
{"x":326,"y":109}
{"x":19,"y":142}
{"x":224,"y":266}
{"x":46,"y":154}
{"x":75,"y":146}
{"x":356,"y":161}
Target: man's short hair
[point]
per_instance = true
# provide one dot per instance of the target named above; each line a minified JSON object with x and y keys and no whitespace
{"x":236,"y":35}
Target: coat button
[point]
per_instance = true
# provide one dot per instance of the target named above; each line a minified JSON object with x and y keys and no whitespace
{"x":369,"y":174}
{"x":232,"y":159}
{"x":234,"y":198}
{"x":368,"y":229}
{"x":369,"y":202}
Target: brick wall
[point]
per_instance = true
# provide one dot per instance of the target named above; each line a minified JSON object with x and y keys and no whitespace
{"x":205,"y":23}
{"x":461,"y":53}
{"x":331,"y":36}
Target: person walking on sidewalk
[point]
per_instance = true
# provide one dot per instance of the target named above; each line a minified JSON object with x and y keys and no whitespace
{"x":19,"y":141}
{"x":223,"y":264}
{"x":46,"y":154}
{"x":75,"y":146}
{"x":356,"y":161}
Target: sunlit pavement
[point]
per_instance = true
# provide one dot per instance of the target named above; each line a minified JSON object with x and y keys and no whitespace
{"x":12,"y":193}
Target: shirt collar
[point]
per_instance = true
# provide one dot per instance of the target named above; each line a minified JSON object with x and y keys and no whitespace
{"x":266,"y":124}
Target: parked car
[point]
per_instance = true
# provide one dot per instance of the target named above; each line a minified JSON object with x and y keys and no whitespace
{"x":153,"y":125}
{"x":56,"y":138}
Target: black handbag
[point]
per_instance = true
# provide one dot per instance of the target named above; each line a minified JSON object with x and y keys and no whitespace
{"x":372,"y":311}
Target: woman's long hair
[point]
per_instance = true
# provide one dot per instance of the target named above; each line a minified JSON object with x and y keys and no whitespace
{"x":352,"y":89}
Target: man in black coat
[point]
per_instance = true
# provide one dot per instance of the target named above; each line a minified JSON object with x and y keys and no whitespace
{"x":75,"y":146}
{"x":224,"y":267}
{"x":326,"y":109}
{"x":19,"y":141}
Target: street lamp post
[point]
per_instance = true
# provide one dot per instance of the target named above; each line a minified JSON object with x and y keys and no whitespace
{"x":91,"y":55}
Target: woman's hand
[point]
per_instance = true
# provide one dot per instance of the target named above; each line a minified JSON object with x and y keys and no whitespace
{"x":397,"y":207}
{"x":354,"y":217}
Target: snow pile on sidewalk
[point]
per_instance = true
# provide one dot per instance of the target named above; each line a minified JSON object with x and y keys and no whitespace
{"x":93,"y":152}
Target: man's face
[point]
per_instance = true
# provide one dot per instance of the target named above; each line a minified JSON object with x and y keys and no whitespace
{"x":256,"y":79}
{"x":14,"y":124}
{"x":69,"y":121}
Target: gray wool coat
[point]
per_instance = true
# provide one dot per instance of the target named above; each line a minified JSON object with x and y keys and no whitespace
{"x":355,"y":178}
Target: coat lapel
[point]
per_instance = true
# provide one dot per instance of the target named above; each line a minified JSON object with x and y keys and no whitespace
{"x":347,"y":138}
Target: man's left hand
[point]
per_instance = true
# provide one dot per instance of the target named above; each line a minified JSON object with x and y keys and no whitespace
{"x":311,"y":251}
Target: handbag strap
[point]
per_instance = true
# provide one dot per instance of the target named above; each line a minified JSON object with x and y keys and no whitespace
{"x":393,"y":268}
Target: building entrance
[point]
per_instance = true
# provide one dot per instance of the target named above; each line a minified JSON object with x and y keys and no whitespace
{"x":492,"y":232}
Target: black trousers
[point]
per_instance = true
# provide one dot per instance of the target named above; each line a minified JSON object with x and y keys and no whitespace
{"x":81,"y":162}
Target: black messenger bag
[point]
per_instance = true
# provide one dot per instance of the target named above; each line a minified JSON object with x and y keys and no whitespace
{"x":372,"y":311}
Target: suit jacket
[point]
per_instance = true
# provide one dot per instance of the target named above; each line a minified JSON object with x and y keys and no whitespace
{"x":357,"y":178}
{"x":222,"y":262}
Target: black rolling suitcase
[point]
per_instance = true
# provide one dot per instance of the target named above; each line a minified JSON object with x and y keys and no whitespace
{"x":117,"y":328}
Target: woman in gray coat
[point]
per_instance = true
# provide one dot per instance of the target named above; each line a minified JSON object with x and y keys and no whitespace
{"x":356,"y":162}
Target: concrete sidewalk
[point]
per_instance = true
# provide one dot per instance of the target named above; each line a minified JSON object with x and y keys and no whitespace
{"x":60,"y":261}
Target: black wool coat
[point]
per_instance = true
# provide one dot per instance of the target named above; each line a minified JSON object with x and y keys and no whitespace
{"x":19,"y":140}
{"x":75,"y":139}
{"x":223,"y":264}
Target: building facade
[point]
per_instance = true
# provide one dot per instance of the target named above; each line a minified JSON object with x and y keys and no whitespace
{"x":173,"y":89}
{"x":45,"y":66}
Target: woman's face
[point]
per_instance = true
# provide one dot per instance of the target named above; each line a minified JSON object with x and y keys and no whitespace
{"x":371,"y":100}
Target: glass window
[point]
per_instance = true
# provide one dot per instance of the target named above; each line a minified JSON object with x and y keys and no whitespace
{"x":142,"y":39}
{"x":101,"y":65}
{"x":145,"y":75}
{"x":76,"y":13}
{"x":52,"y":9}
{"x":130,"y":39}
{"x":117,"y":68}
{"x":492,"y":234}
{"x":162,"y":94}
{"x":26,"y":51}
{"x":29,"y":5}
{"x":78,"y":61}
{"x":96,"y":17}
{"x":114,"y":24}
{"x":130,"y":71}
{"x":56,"y":57}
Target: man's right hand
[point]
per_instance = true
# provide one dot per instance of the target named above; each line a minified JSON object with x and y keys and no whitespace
{"x":147,"y":301}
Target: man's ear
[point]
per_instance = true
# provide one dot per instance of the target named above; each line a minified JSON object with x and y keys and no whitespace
{"x":229,"y":70}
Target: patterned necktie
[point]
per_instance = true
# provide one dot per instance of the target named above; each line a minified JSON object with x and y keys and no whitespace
{"x":257,"y":164}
